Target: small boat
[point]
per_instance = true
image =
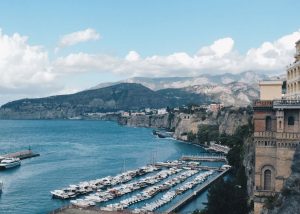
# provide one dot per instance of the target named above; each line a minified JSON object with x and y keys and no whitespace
{"x":10,"y":163}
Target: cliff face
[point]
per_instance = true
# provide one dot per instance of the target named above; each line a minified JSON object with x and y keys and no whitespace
{"x":232,"y":118}
{"x":228,"y":120}
{"x":288,"y":201}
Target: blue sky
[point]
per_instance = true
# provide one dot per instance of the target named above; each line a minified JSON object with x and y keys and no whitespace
{"x":165,"y":38}
{"x":151,"y":27}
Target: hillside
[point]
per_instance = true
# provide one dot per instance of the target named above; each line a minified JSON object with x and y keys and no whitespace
{"x":124,"y":96}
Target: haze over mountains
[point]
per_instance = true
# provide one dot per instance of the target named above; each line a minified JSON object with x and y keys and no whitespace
{"x":231,"y":89}
{"x":137,"y":93}
{"x":249,"y":77}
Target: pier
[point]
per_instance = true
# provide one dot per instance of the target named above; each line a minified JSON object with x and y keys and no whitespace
{"x":212,"y":158}
{"x":189,"y":197}
{"x":21,"y":154}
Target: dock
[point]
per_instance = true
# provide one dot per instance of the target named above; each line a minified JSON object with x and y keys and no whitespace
{"x":189,"y":197}
{"x":212,"y":158}
{"x":21,"y":154}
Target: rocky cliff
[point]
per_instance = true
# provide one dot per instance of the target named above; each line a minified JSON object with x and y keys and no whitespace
{"x":228,"y":120}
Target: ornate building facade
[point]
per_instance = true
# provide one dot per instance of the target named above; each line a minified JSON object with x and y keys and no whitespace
{"x":276,"y":133}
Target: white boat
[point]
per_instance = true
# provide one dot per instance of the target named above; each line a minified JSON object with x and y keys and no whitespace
{"x":10,"y":163}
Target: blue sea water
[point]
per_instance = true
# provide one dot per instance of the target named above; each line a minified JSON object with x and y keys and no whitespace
{"x":74,"y":151}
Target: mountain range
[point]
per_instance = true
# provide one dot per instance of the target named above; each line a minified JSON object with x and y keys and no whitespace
{"x":141,"y":92}
{"x":230,"y":89}
{"x":248,"y":77}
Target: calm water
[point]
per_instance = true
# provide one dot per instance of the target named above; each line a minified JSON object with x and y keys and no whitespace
{"x":74,"y":151}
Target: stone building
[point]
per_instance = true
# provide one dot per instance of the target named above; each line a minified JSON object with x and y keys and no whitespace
{"x":293,"y":75}
{"x":276,"y":133}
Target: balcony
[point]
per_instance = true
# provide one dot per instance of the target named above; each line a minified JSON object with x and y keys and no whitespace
{"x":263,"y":104}
{"x":286,"y":104}
{"x":278,"y":135}
{"x":264,"y":193}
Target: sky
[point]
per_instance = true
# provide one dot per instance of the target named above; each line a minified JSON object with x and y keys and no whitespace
{"x":64,"y":46}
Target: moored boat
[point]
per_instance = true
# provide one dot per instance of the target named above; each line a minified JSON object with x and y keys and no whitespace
{"x":10,"y":163}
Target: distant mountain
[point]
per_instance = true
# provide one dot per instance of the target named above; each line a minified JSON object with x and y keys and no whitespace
{"x":248,"y":77}
{"x":123,"y":96}
{"x":232,"y":94}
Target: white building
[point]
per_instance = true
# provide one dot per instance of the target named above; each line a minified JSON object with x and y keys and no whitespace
{"x":162,"y":111}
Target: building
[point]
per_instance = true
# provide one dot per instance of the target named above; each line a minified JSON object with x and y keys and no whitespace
{"x":276,"y":134}
{"x":293,"y":75}
{"x":215,"y":107}
{"x":162,"y":111}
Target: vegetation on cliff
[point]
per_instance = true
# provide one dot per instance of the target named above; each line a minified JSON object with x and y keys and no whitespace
{"x":230,"y":195}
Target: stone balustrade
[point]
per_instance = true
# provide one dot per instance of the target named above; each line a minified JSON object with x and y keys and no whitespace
{"x":278,"y":135}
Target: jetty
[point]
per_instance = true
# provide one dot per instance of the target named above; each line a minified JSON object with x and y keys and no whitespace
{"x":21,"y":154}
{"x":189,"y":197}
{"x":210,"y":158}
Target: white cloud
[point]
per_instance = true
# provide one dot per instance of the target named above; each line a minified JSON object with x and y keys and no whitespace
{"x":219,"y":57}
{"x":132,"y":56}
{"x":27,"y":71}
{"x":218,"y":48}
{"x":22,"y":66}
{"x":78,"y":37}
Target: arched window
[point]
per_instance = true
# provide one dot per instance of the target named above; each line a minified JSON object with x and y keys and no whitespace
{"x":268,"y":123}
{"x":267,"y":179}
{"x":291,"y":120}
{"x":280,"y":124}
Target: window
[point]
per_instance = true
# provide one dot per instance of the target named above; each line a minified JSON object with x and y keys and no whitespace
{"x":267,"y":179}
{"x":268,"y":123}
{"x":280,"y":124}
{"x":291,"y":120}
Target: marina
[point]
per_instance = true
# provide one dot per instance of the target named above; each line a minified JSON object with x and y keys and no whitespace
{"x":170,"y":178}
{"x":199,"y":189}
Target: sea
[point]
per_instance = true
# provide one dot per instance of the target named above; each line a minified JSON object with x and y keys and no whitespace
{"x":72,"y":151}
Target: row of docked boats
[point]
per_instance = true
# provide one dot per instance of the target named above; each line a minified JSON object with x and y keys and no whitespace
{"x":152,"y":190}
{"x":114,"y":192}
{"x":170,"y":195}
{"x":7,"y":163}
{"x":87,"y":187}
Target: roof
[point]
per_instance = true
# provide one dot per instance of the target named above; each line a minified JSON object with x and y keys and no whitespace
{"x":271,"y":82}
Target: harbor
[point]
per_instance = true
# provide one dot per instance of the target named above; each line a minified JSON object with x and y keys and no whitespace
{"x":69,"y":157}
{"x":149,"y":188}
